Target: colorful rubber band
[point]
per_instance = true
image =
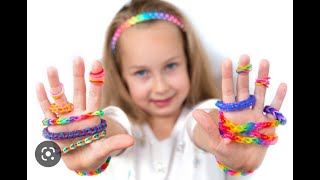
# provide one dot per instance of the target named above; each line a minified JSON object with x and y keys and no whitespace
{"x":61,"y":109}
{"x":84,"y":142}
{"x":247,"y":133}
{"x":251,"y":137}
{"x":250,"y":126}
{"x":146,"y":16}
{"x":263,"y":82}
{"x":236,"y":106}
{"x":232,"y":172}
{"x":97,"y":78}
{"x":96,"y":171}
{"x":244,"y":69}
{"x":276,"y":113}
{"x":67,"y":120}
{"x":58,"y":95}
{"x":74,"y":134}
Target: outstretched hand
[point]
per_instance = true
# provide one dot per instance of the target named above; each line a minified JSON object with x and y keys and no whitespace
{"x":93,"y":155}
{"x":240,"y":156}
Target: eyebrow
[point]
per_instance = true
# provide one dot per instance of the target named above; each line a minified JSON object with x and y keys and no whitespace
{"x":143,"y":67}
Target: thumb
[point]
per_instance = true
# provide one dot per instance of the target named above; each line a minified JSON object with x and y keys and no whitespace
{"x":114,"y":143}
{"x":209,"y":124}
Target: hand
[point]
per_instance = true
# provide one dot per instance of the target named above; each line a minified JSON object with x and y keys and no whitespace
{"x":240,"y":157}
{"x":93,"y":155}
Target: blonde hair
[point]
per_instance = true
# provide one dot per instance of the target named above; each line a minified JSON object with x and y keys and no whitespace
{"x":202,"y":85}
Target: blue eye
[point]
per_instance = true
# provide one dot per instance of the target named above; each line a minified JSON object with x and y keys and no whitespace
{"x":171,"y":66}
{"x":141,"y":73}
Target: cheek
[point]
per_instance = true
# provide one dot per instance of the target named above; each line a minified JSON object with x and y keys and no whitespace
{"x":137,"y":91}
{"x":181,"y":82}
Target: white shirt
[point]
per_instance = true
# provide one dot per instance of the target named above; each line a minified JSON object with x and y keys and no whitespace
{"x":176,"y":157}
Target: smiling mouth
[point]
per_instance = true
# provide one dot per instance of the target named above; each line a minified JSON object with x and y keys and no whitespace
{"x":162,"y":103}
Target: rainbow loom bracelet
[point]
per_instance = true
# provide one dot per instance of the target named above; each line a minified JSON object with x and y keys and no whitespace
{"x":84,"y":142}
{"x":236,"y":106}
{"x":250,"y":126}
{"x":65,"y":120}
{"x":74,"y":134}
{"x":276,"y":113}
{"x":232,"y":172}
{"x":244,"y":69}
{"x":97,"y":171}
{"x":257,"y":138}
{"x":146,"y":16}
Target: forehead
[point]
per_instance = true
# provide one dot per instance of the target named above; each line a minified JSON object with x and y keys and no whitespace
{"x":151,"y":41}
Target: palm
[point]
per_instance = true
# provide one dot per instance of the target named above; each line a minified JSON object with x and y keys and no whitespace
{"x":93,"y":154}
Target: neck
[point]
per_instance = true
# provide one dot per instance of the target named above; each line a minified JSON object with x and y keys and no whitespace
{"x":163,"y":126}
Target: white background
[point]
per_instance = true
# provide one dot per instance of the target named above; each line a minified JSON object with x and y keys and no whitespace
{"x":60,"y":30}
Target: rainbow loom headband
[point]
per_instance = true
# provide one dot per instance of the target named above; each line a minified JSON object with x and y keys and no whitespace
{"x":146,"y":16}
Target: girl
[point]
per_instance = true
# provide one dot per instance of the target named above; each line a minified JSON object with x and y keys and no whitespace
{"x":159,"y":102}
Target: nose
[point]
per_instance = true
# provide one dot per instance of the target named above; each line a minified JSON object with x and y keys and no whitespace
{"x":160,"y":85}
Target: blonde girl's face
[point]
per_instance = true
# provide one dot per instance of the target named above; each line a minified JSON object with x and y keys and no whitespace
{"x":154,"y":67}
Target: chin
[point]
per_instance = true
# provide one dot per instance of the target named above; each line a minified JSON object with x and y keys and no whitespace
{"x":164,"y":112}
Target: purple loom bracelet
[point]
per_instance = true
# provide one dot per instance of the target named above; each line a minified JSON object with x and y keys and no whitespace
{"x":74,"y":134}
{"x":236,"y":106}
{"x":276,"y":113}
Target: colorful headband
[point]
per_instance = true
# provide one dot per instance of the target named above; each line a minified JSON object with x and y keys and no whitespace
{"x":146,"y":16}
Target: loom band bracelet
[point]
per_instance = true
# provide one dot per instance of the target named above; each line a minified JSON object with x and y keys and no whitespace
{"x":102,"y":168}
{"x":248,"y":127}
{"x":254,"y":133}
{"x":236,"y":106}
{"x":76,"y":133}
{"x":67,"y":120}
{"x":84,"y":142}
{"x":248,"y":140}
{"x":232,"y":172}
{"x":61,"y":109}
{"x":259,"y":135}
{"x":275,"y":113}
{"x":244,"y":69}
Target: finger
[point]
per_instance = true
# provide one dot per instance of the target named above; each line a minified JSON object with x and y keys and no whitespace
{"x":79,"y":97}
{"x":227,"y":82}
{"x":243,"y":80}
{"x":278,"y":99}
{"x":55,"y":85}
{"x":95,"y":92}
{"x":209,"y":125}
{"x":44,"y":101}
{"x":113,"y":143}
{"x":260,"y":90}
